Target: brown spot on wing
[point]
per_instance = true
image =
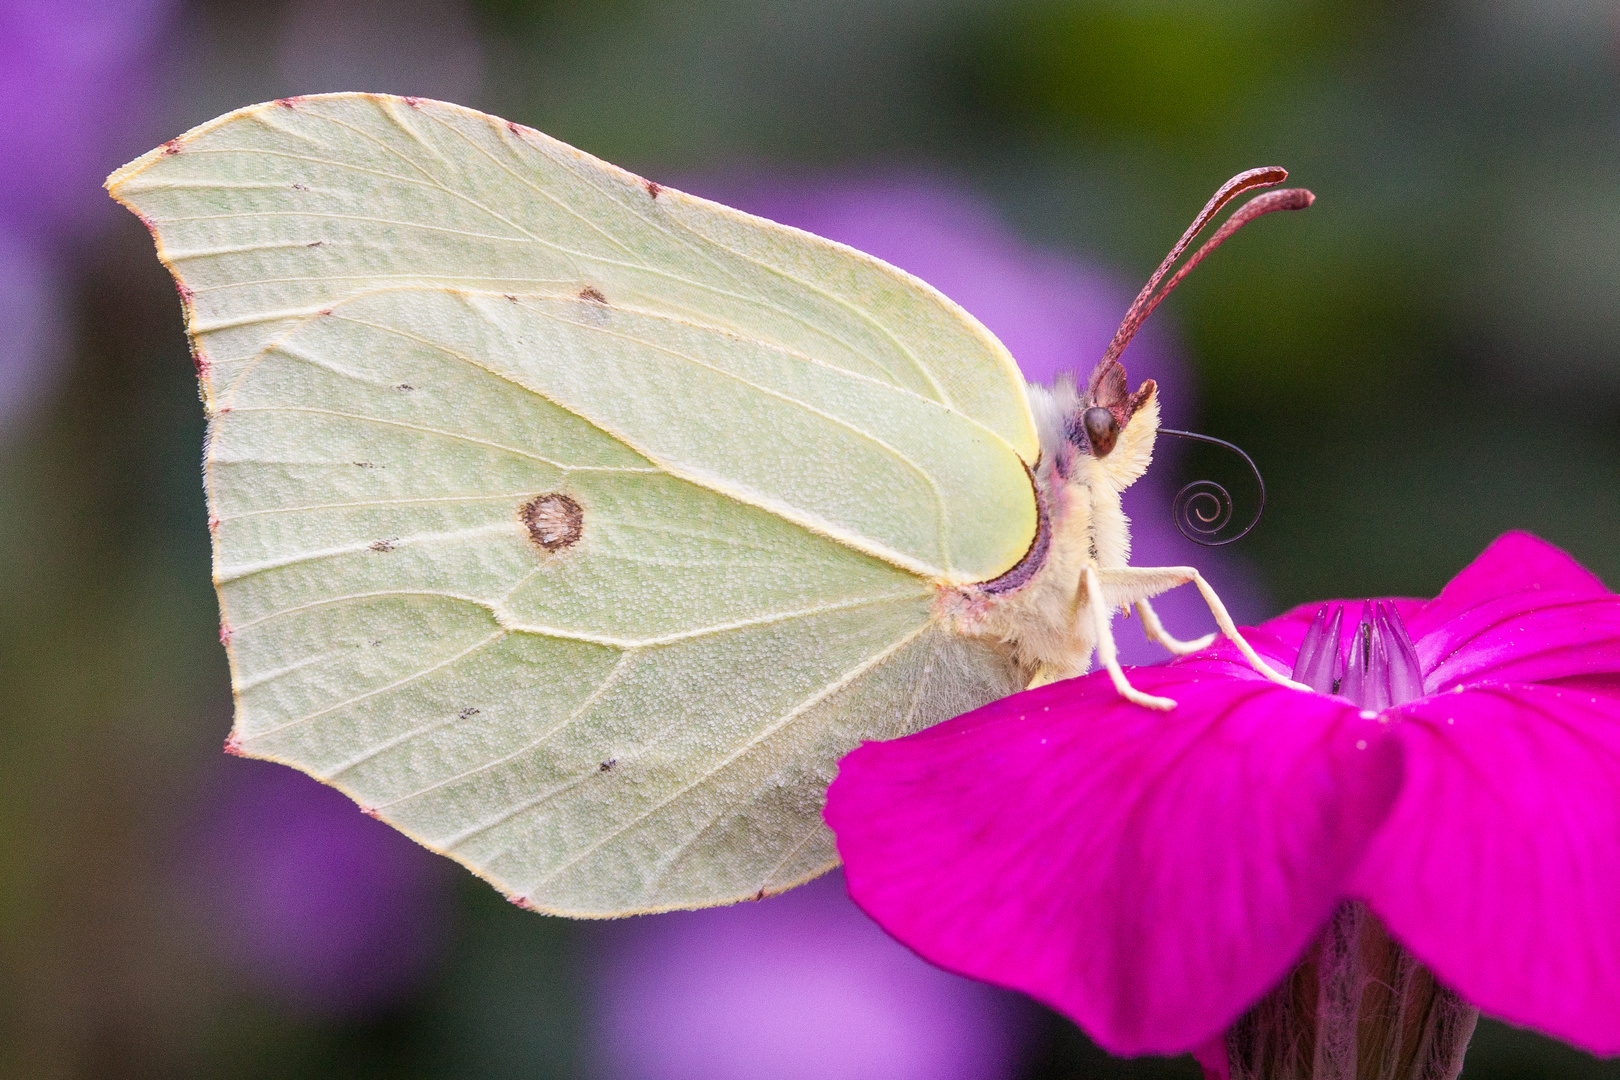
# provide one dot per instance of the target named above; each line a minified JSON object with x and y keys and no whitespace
{"x":233,"y":745}
{"x":554,"y":520}
{"x":593,"y":294}
{"x":653,"y":187}
{"x":172,"y":146}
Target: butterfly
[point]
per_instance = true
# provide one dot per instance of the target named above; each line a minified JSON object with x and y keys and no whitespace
{"x":576,"y":526}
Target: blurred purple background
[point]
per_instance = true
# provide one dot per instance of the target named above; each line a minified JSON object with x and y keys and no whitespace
{"x":801,"y":986}
{"x":76,"y":92}
{"x":305,"y":898}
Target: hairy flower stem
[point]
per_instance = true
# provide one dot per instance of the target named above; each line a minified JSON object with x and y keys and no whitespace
{"x":1359,"y":1007}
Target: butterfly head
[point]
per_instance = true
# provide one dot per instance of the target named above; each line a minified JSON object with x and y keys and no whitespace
{"x":1099,"y":431}
{"x":1107,"y":410}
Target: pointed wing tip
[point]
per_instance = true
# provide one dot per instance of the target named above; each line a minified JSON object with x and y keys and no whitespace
{"x":129,"y":170}
{"x":124,"y":173}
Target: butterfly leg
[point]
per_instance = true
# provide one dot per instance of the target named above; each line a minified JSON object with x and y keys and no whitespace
{"x":1099,"y":611}
{"x":1133,"y":583}
{"x":1155,"y":631}
{"x":1229,"y":628}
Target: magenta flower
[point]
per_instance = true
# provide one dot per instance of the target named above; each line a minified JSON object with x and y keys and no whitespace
{"x":1154,"y":875}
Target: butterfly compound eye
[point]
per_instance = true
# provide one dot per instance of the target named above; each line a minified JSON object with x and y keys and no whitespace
{"x":1101,"y":429}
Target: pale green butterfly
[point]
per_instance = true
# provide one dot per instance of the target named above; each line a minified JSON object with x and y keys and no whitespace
{"x":576,"y":526}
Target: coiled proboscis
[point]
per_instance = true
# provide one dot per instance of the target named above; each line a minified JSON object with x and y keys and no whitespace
{"x":1204,"y":507}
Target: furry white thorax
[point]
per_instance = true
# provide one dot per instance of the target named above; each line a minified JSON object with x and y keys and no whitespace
{"x":1041,"y":622}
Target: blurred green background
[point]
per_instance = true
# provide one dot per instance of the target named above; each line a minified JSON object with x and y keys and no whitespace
{"x":1429,"y":357}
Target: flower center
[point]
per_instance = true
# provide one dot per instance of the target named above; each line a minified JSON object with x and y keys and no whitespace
{"x":1378,"y":669}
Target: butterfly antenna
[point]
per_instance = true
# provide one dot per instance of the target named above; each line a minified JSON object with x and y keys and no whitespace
{"x":1151,"y":295}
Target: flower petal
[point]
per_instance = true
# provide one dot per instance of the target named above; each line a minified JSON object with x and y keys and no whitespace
{"x":1212,"y":1057}
{"x":1607,"y":683}
{"x":1149,"y":874}
{"x":1499,"y":866}
{"x":1515,"y":562}
{"x":1529,"y":636}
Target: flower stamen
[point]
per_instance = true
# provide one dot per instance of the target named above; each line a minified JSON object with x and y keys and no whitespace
{"x":1381,"y":669}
